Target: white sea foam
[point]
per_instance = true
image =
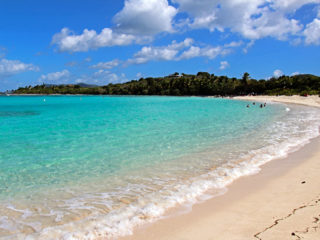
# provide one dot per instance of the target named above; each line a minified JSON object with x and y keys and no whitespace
{"x":281,"y":138}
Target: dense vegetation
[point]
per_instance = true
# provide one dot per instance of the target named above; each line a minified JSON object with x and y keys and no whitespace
{"x":201,"y":84}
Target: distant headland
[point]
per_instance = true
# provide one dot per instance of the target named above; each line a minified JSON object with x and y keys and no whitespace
{"x":201,"y":84}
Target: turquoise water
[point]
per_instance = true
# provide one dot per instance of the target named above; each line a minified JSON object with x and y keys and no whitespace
{"x":121,"y":161}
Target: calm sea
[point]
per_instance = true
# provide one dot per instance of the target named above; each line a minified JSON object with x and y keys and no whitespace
{"x":80,"y":167}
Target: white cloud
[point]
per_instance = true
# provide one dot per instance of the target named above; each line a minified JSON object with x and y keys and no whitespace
{"x":224,"y":65}
{"x":55,"y":77}
{"x":102,"y":77}
{"x":234,"y":44}
{"x":165,"y":53}
{"x":135,"y":23}
{"x":277,"y":73}
{"x":147,"y":54}
{"x":253,"y":19}
{"x":146,"y":17}
{"x":312,"y":32}
{"x":67,"y":41}
{"x":192,"y":52}
{"x":107,"y":65}
{"x":180,"y":51}
{"x":11,"y":67}
{"x":209,"y":52}
{"x":140,"y":20}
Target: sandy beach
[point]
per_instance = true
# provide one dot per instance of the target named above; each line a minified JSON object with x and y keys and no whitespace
{"x":313,"y":101}
{"x":282,"y":201}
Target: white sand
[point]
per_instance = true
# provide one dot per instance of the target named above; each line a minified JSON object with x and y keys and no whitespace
{"x":310,"y":100}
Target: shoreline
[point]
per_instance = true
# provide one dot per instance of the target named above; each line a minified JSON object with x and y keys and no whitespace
{"x":282,"y":201}
{"x":312,"y":101}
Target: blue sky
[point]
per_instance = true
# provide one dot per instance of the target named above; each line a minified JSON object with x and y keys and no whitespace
{"x":104,"y":41}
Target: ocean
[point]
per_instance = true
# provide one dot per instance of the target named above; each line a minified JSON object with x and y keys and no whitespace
{"x":83,"y":167}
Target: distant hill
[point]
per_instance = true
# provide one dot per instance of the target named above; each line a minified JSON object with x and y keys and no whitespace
{"x":201,"y":84}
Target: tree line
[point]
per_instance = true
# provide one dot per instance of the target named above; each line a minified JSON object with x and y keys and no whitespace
{"x":201,"y":84}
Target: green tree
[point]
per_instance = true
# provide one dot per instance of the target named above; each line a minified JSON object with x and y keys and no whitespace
{"x":245,"y":78}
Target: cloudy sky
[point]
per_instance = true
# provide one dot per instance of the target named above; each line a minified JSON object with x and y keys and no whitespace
{"x":104,"y":41}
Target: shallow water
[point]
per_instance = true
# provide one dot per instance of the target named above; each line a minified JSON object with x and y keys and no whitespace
{"x":83,"y":166}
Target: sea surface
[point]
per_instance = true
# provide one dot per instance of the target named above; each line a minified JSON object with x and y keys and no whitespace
{"x":84,"y":167}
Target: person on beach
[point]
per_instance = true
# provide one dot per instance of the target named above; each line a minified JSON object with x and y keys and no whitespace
{"x":248,"y":106}
{"x":261,"y":106}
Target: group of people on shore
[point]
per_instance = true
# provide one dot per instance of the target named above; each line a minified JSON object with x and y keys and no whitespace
{"x":261,"y":105}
